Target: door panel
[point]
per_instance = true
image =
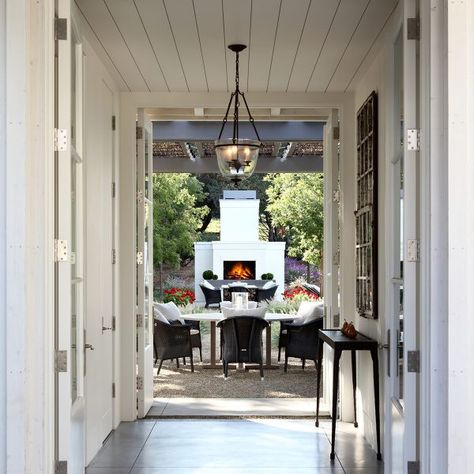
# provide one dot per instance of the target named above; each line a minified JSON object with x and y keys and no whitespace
{"x":403,"y":284}
{"x":144,"y":264}
{"x":99,"y":234}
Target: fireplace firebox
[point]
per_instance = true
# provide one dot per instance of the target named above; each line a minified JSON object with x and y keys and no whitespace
{"x":239,"y":270}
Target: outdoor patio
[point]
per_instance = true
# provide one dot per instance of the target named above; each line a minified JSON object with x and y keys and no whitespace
{"x":209,"y":383}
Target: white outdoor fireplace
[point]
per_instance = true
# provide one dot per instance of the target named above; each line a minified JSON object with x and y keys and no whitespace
{"x":239,"y":255}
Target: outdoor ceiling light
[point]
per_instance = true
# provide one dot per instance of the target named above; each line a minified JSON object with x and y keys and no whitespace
{"x":237,"y":157}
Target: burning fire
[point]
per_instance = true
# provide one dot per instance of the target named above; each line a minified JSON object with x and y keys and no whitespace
{"x":239,"y":271}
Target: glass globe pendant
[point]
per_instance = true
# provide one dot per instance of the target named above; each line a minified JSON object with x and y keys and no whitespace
{"x":237,"y":157}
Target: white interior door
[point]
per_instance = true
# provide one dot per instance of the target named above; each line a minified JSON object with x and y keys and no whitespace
{"x":99,"y":262}
{"x":144,"y":304}
{"x":402,"y":378}
{"x":69,"y":283}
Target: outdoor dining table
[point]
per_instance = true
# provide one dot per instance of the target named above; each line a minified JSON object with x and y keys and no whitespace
{"x":214,"y":318}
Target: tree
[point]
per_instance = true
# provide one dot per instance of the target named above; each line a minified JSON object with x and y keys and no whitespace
{"x":295,"y":204}
{"x":176,"y":217}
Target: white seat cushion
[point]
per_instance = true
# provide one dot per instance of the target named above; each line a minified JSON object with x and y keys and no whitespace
{"x":194,"y":332}
{"x":206,"y":284}
{"x":268,"y":285}
{"x":255,"y":312}
{"x":309,"y":311}
{"x":170,"y":311}
{"x":158,"y":316}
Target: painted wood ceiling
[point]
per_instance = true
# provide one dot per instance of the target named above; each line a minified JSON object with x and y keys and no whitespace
{"x":180,"y":45}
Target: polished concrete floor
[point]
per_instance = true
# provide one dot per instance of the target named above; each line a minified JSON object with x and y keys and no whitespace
{"x":260,"y":446}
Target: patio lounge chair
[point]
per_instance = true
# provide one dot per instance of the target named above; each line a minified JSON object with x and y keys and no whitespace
{"x":172,"y":341}
{"x":242,"y":341}
{"x":213,"y":296}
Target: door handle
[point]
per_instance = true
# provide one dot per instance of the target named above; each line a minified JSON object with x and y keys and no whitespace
{"x":89,"y":346}
{"x":387,"y":346}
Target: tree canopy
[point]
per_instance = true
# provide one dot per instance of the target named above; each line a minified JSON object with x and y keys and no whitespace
{"x":176,"y":216}
{"x":295,"y":205}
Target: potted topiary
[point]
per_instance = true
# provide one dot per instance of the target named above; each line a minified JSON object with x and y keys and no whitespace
{"x":267,"y":276}
{"x":208,"y":275}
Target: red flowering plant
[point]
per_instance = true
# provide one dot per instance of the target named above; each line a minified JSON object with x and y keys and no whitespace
{"x":179,"y":296}
{"x":298,"y":293}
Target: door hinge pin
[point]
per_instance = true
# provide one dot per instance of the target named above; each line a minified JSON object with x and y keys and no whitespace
{"x":113,"y":389}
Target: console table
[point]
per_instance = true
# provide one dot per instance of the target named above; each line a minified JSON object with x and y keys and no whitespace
{"x":339,"y":342}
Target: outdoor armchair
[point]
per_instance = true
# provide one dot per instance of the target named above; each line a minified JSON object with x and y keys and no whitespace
{"x":172,"y":341}
{"x":212,"y":296}
{"x":266,"y":294}
{"x":242,"y":343}
{"x":302,"y":341}
{"x":195,"y":335}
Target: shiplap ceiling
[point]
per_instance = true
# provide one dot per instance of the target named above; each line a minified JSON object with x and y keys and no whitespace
{"x":180,"y":45}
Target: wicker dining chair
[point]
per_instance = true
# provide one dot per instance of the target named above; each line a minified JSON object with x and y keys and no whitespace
{"x":172,"y":341}
{"x":242,"y":341}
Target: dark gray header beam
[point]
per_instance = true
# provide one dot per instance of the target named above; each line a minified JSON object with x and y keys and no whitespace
{"x":208,"y":131}
{"x":294,"y":164}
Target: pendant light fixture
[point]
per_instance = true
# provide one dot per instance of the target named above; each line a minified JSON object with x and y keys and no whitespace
{"x":237,"y":157}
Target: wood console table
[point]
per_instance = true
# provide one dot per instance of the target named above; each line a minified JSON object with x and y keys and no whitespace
{"x":335,"y":339}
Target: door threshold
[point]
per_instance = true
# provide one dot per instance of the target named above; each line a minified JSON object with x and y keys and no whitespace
{"x":239,"y":408}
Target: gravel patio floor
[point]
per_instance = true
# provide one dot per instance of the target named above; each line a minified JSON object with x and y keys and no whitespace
{"x":209,"y":383}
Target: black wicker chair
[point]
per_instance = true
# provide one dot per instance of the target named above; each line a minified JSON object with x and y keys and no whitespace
{"x":302,"y":341}
{"x":212,"y":296}
{"x":195,"y":335}
{"x":266,"y":294}
{"x":172,"y":341}
{"x":242,"y":337}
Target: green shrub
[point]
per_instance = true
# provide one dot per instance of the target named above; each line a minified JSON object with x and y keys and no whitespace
{"x":208,"y":275}
{"x":215,"y":277}
{"x":267,"y":276}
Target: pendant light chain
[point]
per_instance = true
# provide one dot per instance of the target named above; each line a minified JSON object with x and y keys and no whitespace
{"x":236,"y":98}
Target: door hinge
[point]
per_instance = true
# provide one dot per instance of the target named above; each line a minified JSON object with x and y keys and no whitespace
{"x":113,"y":389}
{"x":60,"y":28}
{"x":139,"y":258}
{"x":114,"y":323}
{"x":113,"y":189}
{"x":60,"y":361}
{"x":413,"y":467}
{"x":114,"y":257}
{"x":60,"y":139}
{"x":413,"y":28}
{"x":139,"y":320}
{"x":139,"y":133}
{"x":413,"y":361}
{"x":413,"y":250}
{"x":60,"y":250}
{"x":113,"y":123}
{"x":413,"y":139}
{"x":335,"y":133}
{"x":139,"y":383}
{"x":61,"y":467}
